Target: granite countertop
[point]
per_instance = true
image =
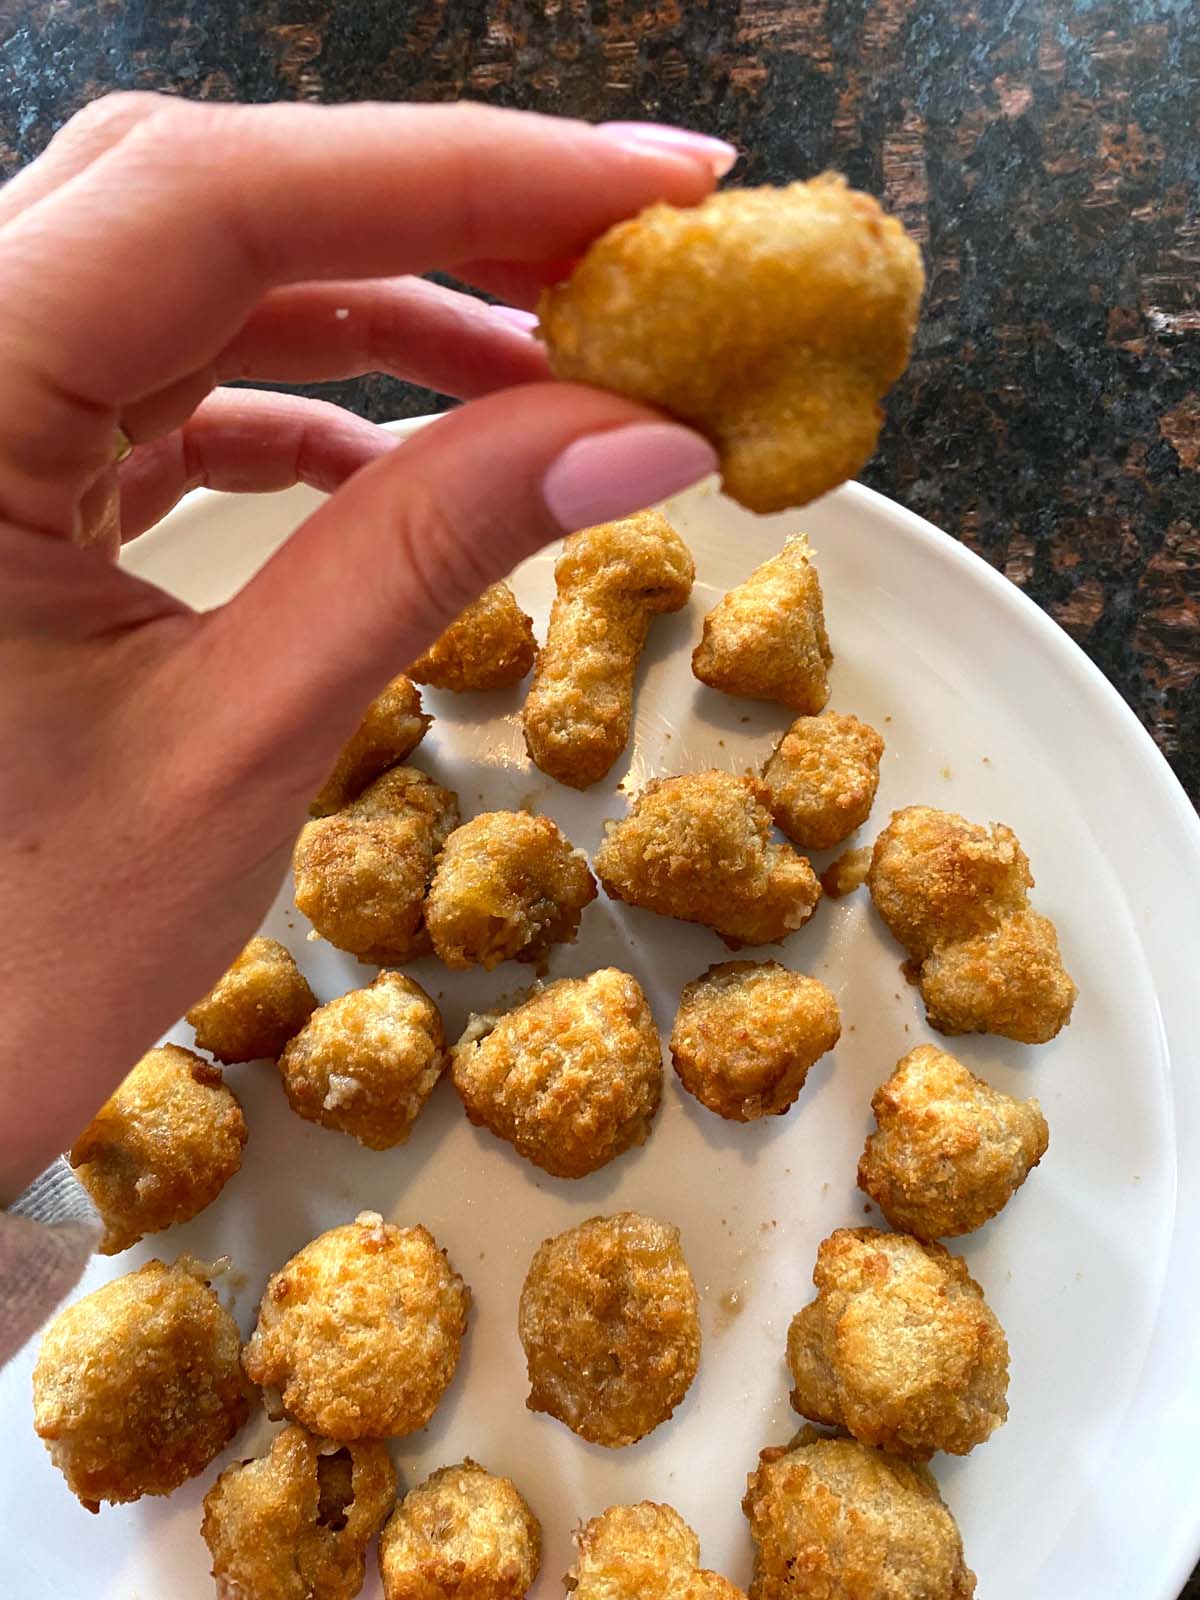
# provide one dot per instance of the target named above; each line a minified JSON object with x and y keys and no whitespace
{"x":1044,"y":153}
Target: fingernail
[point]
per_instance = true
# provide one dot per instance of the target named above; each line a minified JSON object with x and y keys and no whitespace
{"x":523,"y":321}
{"x":719,"y":155}
{"x":609,"y":475}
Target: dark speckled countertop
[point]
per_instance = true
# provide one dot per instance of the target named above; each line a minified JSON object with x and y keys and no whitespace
{"x":1046,"y":154}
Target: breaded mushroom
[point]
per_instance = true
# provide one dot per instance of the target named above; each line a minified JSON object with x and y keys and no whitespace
{"x":463,"y":1534}
{"x":950,"y":1151}
{"x":899,"y":1348}
{"x":955,"y":895}
{"x":609,"y":1319}
{"x":643,"y":1552}
{"x":833,"y":1519}
{"x":392,"y":727}
{"x":766,"y":639}
{"x":161,"y":1148}
{"x":773,"y":320}
{"x":367,"y":1062}
{"x":698,"y":847}
{"x":571,"y":1077}
{"x":746,"y":1034}
{"x":260,"y":1003}
{"x":360,"y":1331}
{"x":490,"y":646}
{"x":138,"y":1385}
{"x":610,"y":581}
{"x":823,"y":775}
{"x":295,"y":1524}
{"x":508,"y":886}
{"x":361,"y":874}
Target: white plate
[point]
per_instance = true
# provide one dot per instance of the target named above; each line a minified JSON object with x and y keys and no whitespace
{"x":988,"y":709}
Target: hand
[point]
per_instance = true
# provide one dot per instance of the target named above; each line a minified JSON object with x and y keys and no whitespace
{"x":157,"y":763}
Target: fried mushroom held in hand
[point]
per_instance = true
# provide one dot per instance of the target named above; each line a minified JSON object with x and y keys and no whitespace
{"x":609,"y":1320}
{"x":161,"y":1148}
{"x":361,"y":874}
{"x":610,"y":581}
{"x":260,"y":1003}
{"x":507,"y":887}
{"x":698,"y":847}
{"x":360,"y":1331}
{"x":899,"y":1348}
{"x":490,"y":646}
{"x":834,"y":1519}
{"x":367,"y":1062}
{"x":772,"y":320}
{"x":643,"y":1552}
{"x":570,"y":1077}
{"x":463,"y":1534}
{"x":295,"y":1524}
{"x":138,"y":1385}
{"x":950,"y":1151}
{"x":392,"y":727}
{"x":746,"y":1034}
{"x":822,"y":776}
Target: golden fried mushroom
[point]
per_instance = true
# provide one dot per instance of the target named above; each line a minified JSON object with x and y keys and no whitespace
{"x":823,"y":775}
{"x":571,"y":1077}
{"x":392,"y":727}
{"x":609,"y":1319}
{"x":610,"y":581}
{"x":138,"y":1385}
{"x":746,"y":1034}
{"x":490,"y":646}
{"x":699,"y":848}
{"x":295,"y":1524}
{"x":833,"y":1519}
{"x":643,"y":1552}
{"x":773,"y":320}
{"x":950,"y":1151}
{"x":161,"y":1148}
{"x":955,"y":895}
{"x":899,"y":1348}
{"x":463,"y":1534}
{"x":361,"y":874}
{"x":507,"y":887}
{"x":361,"y":1330}
{"x":766,"y":639}
{"x":252,"y":1012}
{"x":367,"y":1062}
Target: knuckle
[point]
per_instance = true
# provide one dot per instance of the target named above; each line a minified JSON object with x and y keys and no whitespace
{"x":112,"y":113}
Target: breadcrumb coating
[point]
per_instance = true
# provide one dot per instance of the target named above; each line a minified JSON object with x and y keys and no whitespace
{"x":822,"y":776}
{"x":610,"y":581}
{"x":698,"y":847}
{"x":490,"y":646}
{"x":295,"y":1524}
{"x":771,"y":319}
{"x":161,"y":1148}
{"x":766,"y":639}
{"x":950,"y":1151}
{"x":361,"y":874}
{"x":847,"y":873}
{"x":746,"y":1034}
{"x":392,"y":727}
{"x":260,"y":1003}
{"x":609,"y":1319}
{"x":361,"y":1330}
{"x":899,"y":1347}
{"x":463,"y":1534}
{"x":367,"y":1062}
{"x":571,"y":1077}
{"x":508,"y":887}
{"x":832,"y":1519}
{"x":643,"y":1552}
{"x":138,"y":1385}
{"x":1009,"y":980}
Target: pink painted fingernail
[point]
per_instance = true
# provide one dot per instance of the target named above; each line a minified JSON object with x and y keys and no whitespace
{"x":719,"y":155}
{"x":523,"y":321}
{"x":609,"y":475}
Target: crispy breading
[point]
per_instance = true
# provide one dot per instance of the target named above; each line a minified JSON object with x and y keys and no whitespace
{"x":1009,"y":980}
{"x":822,"y":776}
{"x":256,"y":1007}
{"x":772,"y":319}
{"x":392,"y":727}
{"x":489,"y":646}
{"x":643,"y":1552}
{"x":463,"y":1534}
{"x":847,"y":873}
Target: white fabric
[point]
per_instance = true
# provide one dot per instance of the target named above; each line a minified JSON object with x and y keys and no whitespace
{"x":46,"y":1238}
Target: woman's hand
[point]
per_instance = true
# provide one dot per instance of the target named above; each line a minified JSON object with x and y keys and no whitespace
{"x":157,"y":763}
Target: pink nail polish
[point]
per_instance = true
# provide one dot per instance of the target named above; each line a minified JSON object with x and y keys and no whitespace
{"x":608,"y":475}
{"x":719,"y":155}
{"x":523,"y":321}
